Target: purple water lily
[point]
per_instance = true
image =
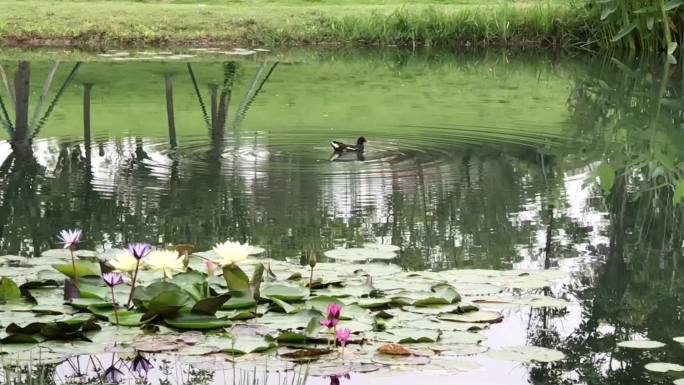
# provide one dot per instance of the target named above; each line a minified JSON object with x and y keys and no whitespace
{"x":141,"y":365}
{"x":138,"y":251}
{"x":113,"y":375}
{"x":70,"y":238}
{"x":335,"y":379}
{"x":113,"y":279}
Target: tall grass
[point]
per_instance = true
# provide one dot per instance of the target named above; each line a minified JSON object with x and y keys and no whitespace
{"x":640,"y":25}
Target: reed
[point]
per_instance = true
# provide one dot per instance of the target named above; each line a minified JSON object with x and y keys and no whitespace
{"x":639,"y":25}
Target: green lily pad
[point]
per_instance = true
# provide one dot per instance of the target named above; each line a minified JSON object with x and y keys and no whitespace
{"x":360,"y":254}
{"x":192,"y":321}
{"x":373,"y":303}
{"x":480,"y":316}
{"x":407,"y":336}
{"x":83,"y":269}
{"x":286,"y":293}
{"x":526,"y":354}
{"x":9,"y":289}
{"x":663,"y":367}
{"x":641,"y":344}
{"x":452,"y":366}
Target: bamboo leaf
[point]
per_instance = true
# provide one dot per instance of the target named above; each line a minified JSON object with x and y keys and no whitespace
{"x":672,"y":4}
{"x":672,"y":47}
{"x":606,"y":174}
{"x":679,"y":193}
{"x":624,"y":32}
{"x":608,"y":11}
{"x":647,"y":9}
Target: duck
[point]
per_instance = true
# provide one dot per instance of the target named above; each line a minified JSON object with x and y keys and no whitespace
{"x":341,"y":147}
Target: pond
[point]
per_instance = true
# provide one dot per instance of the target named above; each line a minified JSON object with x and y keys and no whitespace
{"x":537,"y":187}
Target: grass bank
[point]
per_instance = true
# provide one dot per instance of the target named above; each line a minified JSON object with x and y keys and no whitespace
{"x":222,"y":22}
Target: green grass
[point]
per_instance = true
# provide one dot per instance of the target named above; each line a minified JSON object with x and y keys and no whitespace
{"x":109,"y":23}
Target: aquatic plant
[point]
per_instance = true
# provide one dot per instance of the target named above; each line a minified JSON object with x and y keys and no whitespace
{"x":140,"y":364}
{"x":70,"y":238}
{"x":168,"y":262}
{"x":138,"y":251}
{"x":312,"y":264}
{"x":113,"y":279}
{"x":343,"y":336}
{"x":230,"y":253}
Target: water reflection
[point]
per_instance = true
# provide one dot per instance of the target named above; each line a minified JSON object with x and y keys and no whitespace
{"x":472,"y":162}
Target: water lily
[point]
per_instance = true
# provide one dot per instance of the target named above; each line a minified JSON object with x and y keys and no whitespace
{"x":141,"y":365}
{"x":329,"y":323}
{"x":124,"y":263}
{"x":112,"y":375}
{"x":166,"y":261}
{"x":335,"y":379}
{"x":334,"y":311}
{"x":343,"y":336}
{"x":136,"y":251}
{"x":231,"y":252}
{"x":139,"y":250}
{"x":113,"y":279}
{"x":211,"y":268}
{"x":70,"y":238}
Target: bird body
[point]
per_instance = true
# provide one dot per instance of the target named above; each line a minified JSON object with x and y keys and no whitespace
{"x":342,"y":147}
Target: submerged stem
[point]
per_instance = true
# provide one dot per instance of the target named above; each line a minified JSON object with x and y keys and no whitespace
{"x":116,"y":312}
{"x":311,"y":281}
{"x":73,"y":265}
{"x":135,"y":276}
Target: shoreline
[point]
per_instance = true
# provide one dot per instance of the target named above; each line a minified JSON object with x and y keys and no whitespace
{"x":144,"y":25}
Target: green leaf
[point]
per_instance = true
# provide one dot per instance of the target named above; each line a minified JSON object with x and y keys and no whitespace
{"x":650,"y":21}
{"x":192,"y":321}
{"x":679,"y":193}
{"x":83,"y":269}
{"x":672,"y":4}
{"x":444,"y":295}
{"x":606,"y":175}
{"x":143,"y":294}
{"x":236,"y":279}
{"x":624,"y":32}
{"x":8,"y":289}
{"x":672,"y":47}
{"x":167,"y":304}
{"x":608,"y":11}
{"x":284,"y":292}
{"x":284,"y":306}
{"x":210,"y":305}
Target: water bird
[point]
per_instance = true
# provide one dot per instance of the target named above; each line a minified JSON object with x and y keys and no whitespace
{"x":341,"y":147}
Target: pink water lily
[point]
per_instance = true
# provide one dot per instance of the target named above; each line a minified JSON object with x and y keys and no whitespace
{"x":334,"y":311}
{"x":138,"y":251}
{"x":329,"y":323}
{"x":70,"y":238}
{"x":113,"y":279}
{"x":343,"y":336}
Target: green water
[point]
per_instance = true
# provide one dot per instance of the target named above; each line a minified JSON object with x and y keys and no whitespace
{"x":473,"y":161}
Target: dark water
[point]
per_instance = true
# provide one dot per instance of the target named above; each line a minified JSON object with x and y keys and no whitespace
{"x":473,"y":161}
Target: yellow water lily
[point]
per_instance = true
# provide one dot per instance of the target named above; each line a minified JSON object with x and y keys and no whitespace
{"x":230,"y":253}
{"x":124,"y":263}
{"x":166,"y":261}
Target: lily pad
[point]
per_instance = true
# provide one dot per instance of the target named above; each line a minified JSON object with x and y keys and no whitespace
{"x":287,"y":293}
{"x":663,"y":367}
{"x":641,"y":344}
{"x":360,"y":254}
{"x":192,"y":321}
{"x":480,"y":316}
{"x":526,"y":354}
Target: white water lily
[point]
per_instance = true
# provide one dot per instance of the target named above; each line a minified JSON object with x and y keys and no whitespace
{"x":166,"y":261}
{"x":124,"y":263}
{"x":231,"y":252}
